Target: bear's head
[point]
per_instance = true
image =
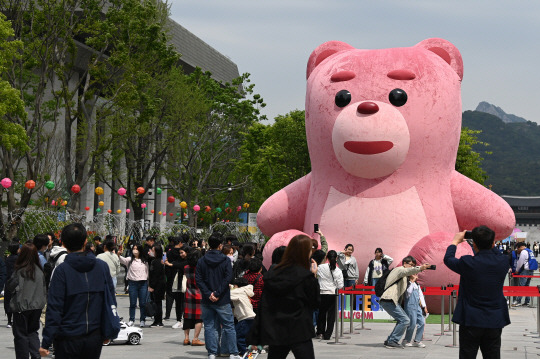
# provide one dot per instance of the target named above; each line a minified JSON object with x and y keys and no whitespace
{"x":378,"y":114}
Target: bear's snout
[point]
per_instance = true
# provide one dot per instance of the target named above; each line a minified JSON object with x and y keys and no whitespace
{"x":368,"y":108}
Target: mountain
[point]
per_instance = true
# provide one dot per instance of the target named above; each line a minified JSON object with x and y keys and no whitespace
{"x":513,"y":166}
{"x":497,"y":111}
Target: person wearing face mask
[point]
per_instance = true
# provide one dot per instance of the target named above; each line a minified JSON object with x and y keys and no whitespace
{"x":137,"y":276}
{"x":377,"y":267}
{"x":174,"y":265}
{"x":156,"y":283}
{"x":228,"y":251}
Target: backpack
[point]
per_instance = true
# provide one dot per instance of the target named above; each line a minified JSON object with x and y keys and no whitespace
{"x":533,"y":263}
{"x":381,"y":283}
{"x":48,"y":268}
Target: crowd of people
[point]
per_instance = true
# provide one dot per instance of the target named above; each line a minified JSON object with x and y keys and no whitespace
{"x":223,"y":286}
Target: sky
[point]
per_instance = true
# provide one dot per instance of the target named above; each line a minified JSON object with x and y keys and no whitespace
{"x":272,"y":40}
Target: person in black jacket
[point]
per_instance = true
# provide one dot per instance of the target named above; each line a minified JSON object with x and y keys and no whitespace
{"x":75,"y":301}
{"x":174,"y":265}
{"x":13,"y":249}
{"x":156,"y":283}
{"x":290,"y":294}
{"x":481,"y":309}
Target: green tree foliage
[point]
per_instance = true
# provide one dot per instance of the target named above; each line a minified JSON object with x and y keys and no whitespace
{"x":469,"y":161}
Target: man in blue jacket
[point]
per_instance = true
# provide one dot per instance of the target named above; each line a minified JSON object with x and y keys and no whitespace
{"x":75,"y":302}
{"x":481,"y":309}
{"x":213,"y":275}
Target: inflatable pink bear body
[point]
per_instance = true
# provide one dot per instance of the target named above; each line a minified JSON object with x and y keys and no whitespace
{"x":383,"y":130}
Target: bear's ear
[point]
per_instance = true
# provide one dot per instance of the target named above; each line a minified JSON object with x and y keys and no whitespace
{"x":323,"y":51}
{"x":445,"y":50}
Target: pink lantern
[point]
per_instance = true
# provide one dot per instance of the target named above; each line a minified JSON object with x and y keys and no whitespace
{"x":121,"y":191}
{"x":53,"y":202}
{"x":6,"y":182}
{"x":196,"y":208}
{"x":238,"y":209}
{"x":164,"y":214}
{"x":128,"y":210}
{"x":143,"y":205}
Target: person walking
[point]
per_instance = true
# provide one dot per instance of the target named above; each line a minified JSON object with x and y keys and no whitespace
{"x":291,"y":293}
{"x":213,"y":275}
{"x":330,"y":278}
{"x":137,"y":276}
{"x":192,"y":305}
{"x":156,"y":283}
{"x":28,"y":291}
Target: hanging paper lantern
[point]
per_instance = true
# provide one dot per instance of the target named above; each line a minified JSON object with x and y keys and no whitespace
{"x":88,"y":208}
{"x":64,"y":203}
{"x":177,"y":214}
{"x":53,"y":202}
{"x":171,"y":199}
{"x":30,"y":184}
{"x":226,"y":205}
{"x":238,"y":209}
{"x":183,"y":205}
{"x":171,"y":214}
{"x":101,"y":203}
{"x":158,"y":190}
{"x":98,"y":210}
{"x":75,"y":188}
{"x":143,"y":205}
{"x":109,"y":211}
{"x":128,"y":211}
{"x":246,"y":205}
{"x":99,"y":191}
{"x":118,"y":211}
{"x":207,"y":209}
{"x":196,"y":208}
{"x":185,"y":215}
{"x":218,"y":209}
{"x":121,"y":191}
{"x":159,"y":213}
{"x":152,"y":211}
{"x":140,"y":190}
{"x":6,"y":182}
{"x":49,"y":184}
{"x":164,"y":214}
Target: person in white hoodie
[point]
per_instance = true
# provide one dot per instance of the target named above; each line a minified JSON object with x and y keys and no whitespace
{"x":241,"y":291}
{"x":330,"y":278}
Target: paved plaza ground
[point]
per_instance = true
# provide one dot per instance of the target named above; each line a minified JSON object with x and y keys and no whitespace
{"x":517,"y":342}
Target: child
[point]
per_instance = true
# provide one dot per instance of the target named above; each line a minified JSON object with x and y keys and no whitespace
{"x":241,"y":292}
{"x":415,"y":307}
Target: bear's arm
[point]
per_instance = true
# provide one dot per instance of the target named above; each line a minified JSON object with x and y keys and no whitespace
{"x":285,"y":209}
{"x":476,"y":205}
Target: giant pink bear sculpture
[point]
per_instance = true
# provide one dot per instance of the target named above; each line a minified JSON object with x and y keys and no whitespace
{"x":383,"y":130}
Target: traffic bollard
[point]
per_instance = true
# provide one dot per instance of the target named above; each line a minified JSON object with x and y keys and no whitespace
{"x":336,"y":333}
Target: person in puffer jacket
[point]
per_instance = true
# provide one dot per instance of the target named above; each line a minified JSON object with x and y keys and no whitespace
{"x":241,"y":292}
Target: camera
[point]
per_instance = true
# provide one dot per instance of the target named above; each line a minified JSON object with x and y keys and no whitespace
{"x":432,"y":267}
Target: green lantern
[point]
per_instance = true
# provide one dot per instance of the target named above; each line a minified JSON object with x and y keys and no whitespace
{"x":218,"y":209}
{"x":158,"y":190}
{"x":98,"y":210}
{"x":49,"y":184}
{"x":226,"y":205}
{"x":177,"y":214}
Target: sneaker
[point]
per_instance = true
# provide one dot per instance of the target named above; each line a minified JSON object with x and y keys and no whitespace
{"x":235,"y":356}
{"x":418,"y":344}
{"x":177,"y":325}
{"x":8,"y":325}
{"x":407,"y":344}
{"x":156,"y":325}
{"x":211,"y":356}
{"x":130,"y":323}
{"x":142,"y":324}
{"x":393,"y":345}
{"x":516,"y":304}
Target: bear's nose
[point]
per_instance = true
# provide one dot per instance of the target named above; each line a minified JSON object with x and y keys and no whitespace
{"x":368,"y":108}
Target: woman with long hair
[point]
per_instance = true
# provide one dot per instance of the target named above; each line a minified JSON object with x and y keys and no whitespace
{"x":192,"y":307}
{"x":28,"y":290}
{"x":330,"y":278}
{"x":156,"y":282}
{"x":349,"y":267}
{"x":137,"y":276}
{"x":290,"y":294}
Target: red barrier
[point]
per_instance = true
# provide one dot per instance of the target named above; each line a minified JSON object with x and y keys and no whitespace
{"x":525,"y":276}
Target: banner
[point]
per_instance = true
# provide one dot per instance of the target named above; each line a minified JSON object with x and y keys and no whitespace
{"x":372,"y":309}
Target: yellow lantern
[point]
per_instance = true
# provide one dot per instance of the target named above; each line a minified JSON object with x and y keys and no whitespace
{"x":183,"y":205}
{"x":159,"y":213}
{"x":64,"y":203}
{"x":99,"y":191}
{"x":246,"y":205}
{"x":118,"y":211}
{"x":101,"y":203}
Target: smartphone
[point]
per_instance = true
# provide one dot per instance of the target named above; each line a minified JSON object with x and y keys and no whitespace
{"x":468,"y":235}
{"x":432,"y":267}
{"x":316,"y":227}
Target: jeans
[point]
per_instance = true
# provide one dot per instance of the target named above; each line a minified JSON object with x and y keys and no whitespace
{"x":137,"y":289}
{"x":400,"y":316}
{"x":488,"y":339}
{"x":349,"y":282}
{"x":25,"y":334}
{"x":524,"y":282}
{"x":242,"y":330}
{"x":114,"y":282}
{"x":416,"y":318}
{"x":211,"y":316}
{"x":374,"y":281}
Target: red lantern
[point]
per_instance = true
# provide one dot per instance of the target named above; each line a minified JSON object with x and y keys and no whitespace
{"x":87,"y":208}
{"x":30,"y":184}
{"x":171,"y":214}
{"x":170,"y":199}
{"x":140,"y":190}
{"x":75,"y":188}
{"x":207,"y":209}
{"x":109,"y":211}
{"x":152,"y":211}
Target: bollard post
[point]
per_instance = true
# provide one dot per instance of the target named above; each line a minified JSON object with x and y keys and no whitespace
{"x":442,"y":313}
{"x":343,"y":303}
{"x":363,"y":312}
{"x":336,"y":333}
{"x":510,"y":296}
{"x":454,"y":336}
{"x":449,"y":311}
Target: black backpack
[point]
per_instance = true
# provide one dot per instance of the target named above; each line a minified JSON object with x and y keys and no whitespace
{"x":49,"y":266}
{"x":381,"y":283}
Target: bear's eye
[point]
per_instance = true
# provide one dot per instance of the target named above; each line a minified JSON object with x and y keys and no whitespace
{"x":397,"y":97}
{"x":343,"y":98}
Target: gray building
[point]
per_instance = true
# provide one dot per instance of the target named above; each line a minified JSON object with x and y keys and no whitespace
{"x":527,"y":212}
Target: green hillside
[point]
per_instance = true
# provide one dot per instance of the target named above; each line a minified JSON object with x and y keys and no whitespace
{"x":513,"y":166}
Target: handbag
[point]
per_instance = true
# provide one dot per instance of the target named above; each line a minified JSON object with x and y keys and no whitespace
{"x":184,"y":284}
{"x":179,"y":288}
{"x":150,"y":306}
